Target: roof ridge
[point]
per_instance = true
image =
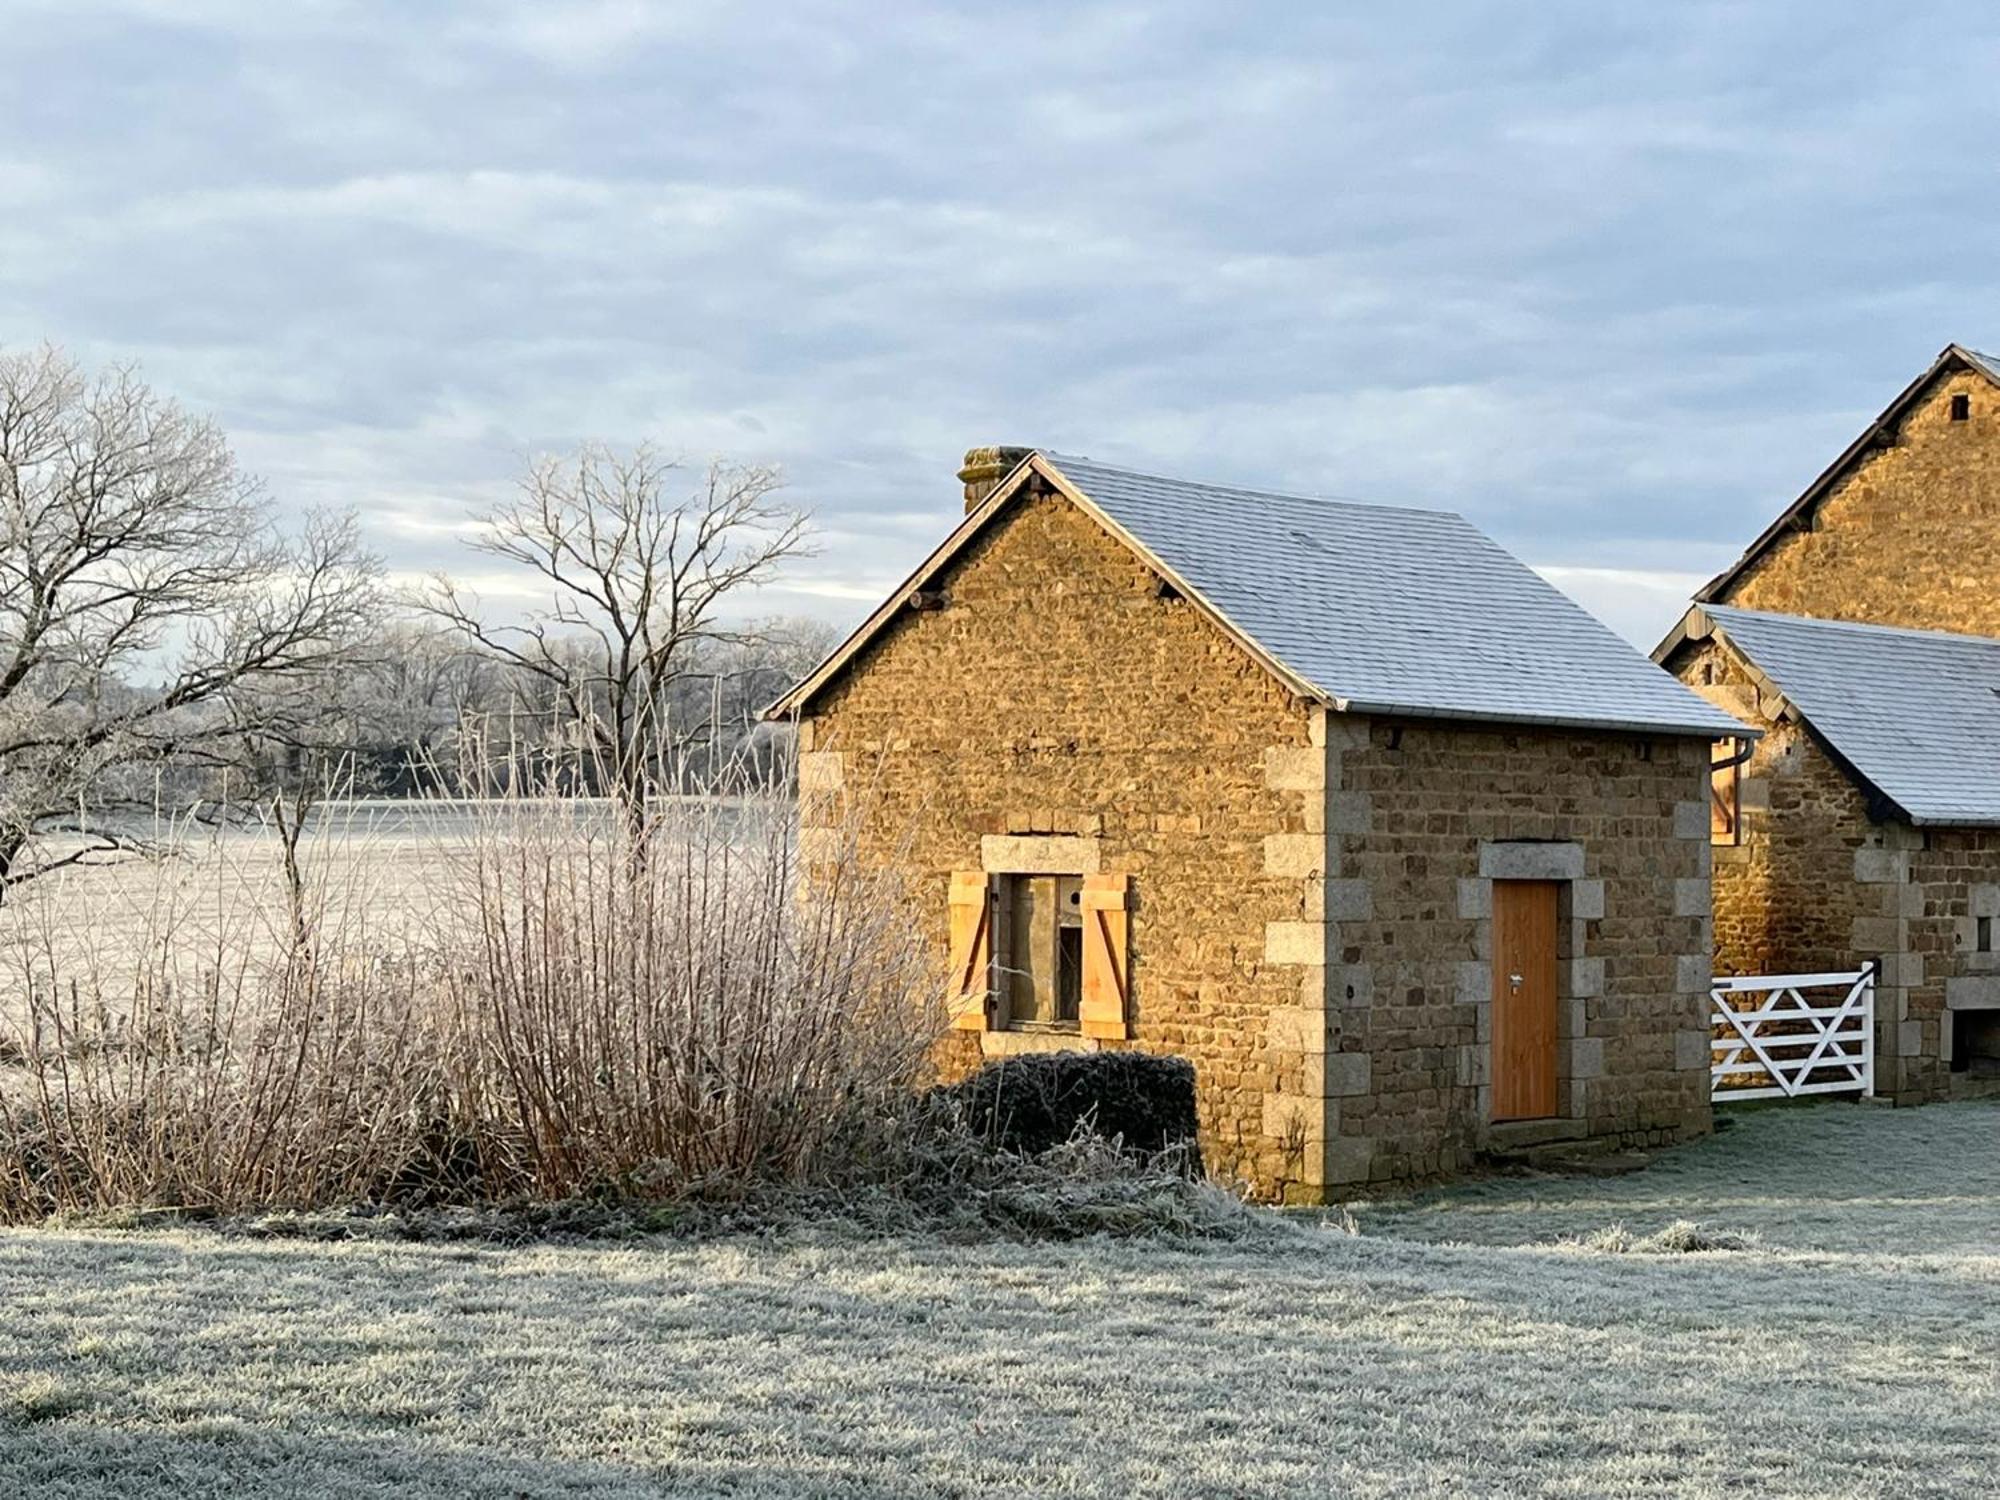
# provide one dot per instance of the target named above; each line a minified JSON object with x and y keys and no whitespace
{"x":1347,"y":501}
{"x":1860,"y":626}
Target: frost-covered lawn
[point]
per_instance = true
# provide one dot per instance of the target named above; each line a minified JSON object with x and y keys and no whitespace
{"x":1856,"y":1352}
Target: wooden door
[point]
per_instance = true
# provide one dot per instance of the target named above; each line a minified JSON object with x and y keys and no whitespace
{"x":1524,"y":999}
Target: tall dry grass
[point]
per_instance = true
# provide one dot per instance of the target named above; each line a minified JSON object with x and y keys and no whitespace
{"x":553,"y":1003}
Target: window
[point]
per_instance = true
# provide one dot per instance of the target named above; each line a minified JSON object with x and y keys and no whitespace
{"x":1985,"y":934}
{"x":1961,"y":408}
{"x":1040,"y":940}
{"x":1039,"y":951}
{"x":1725,"y":797}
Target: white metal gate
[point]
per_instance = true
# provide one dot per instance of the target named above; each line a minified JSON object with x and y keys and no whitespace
{"x":1774,"y":1040}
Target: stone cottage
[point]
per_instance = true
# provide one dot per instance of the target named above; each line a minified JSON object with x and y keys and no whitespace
{"x":1865,"y":826}
{"x":1407,"y":853}
{"x":1858,"y":828}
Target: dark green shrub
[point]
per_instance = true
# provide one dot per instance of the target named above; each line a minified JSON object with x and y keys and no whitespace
{"x":1033,"y":1104}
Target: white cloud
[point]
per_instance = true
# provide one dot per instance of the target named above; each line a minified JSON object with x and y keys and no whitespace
{"x":1590,"y":277}
{"x":1641,"y":604}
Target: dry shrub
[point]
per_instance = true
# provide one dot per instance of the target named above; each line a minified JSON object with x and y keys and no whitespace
{"x":674,"y":1015}
{"x":581,"y":1008}
{"x":1682,"y":1237}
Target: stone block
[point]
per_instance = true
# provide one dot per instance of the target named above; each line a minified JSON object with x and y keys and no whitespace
{"x":1586,"y":900}
{"x":1295,"y":855}
{"x":1349,"y":1159}
{"x":1872,"y":935}
{"x":1691,"y":820}
{"x":1295,"y":942}
{"x":1881,"y":866}
{"x":1910,"y":1039}
{"x":1524,"y":861}
{"x":1900,"y":836}
{"x":1312,"y":991}
{"x":1341,"y":1075}
{"x":1474,"y":984}
{"x":1475,"y":899}
{"x":1691,"y":897}
{"x":1902,"y":970}
{"x":1348,"y":1074}
{"x":822,"y":771}
{"x":1694,"y":973}
{"x":1472,"y":1066}
{"x":1693,"y":1050}
{"x":1586,"y":977}
{"x":1973,"y":992}
{"x":1295,"y":768}
{"x":1586,"y":1057}
{"x":1347,"y":732}
{"x":1572,"y":1017}
{"x":1349,"y":901}
{"x":1984,"y":900}
{"x":1290,"y":1117}
{"x":1347,"y":812}
{"x":1039,"y":854}
{"x":1294,"y":1028}
{"x":1350,"y":986}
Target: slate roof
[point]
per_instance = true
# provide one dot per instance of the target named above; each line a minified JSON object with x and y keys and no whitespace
{"x":1389,"y":610}
{"x":1916,"y":713}
{"x":1370,"y":608}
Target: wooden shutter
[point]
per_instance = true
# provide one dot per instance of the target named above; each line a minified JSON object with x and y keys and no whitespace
{"x":969,"y":996}
{"x":1107,"y":979}
{"x":1725,"y":800}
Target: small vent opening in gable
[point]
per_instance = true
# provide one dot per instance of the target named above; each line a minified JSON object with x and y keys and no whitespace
{"x":1961,"y":407}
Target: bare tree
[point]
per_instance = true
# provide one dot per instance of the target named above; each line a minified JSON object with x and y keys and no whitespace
{"x":152,"y":613}
{"x":640,"y":576}
{"x":729,"y":684}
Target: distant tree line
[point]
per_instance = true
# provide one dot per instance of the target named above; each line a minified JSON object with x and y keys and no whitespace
{"x":170,"y":640}
{"x":425,"y":711}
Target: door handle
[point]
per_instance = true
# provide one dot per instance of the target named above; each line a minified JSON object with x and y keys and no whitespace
{"x":1514,"y":980}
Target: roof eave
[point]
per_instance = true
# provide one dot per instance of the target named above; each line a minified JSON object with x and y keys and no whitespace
{"x":1662,"y":727}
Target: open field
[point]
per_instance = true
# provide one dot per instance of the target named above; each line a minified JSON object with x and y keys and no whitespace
{"x":1856,"y":1351}
{"x":378,"y":874}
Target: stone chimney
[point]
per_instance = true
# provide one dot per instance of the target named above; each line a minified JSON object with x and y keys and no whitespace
{"x":986,"y":467}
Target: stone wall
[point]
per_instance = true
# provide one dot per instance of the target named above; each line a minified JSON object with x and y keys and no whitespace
{"x":1786,"y":900}
{"x":1954,"y":882}
{"x":1817,"y":884}
{"x":1429,"y":815}
{"x":1909,"y":536}
{"x":1059,"y":694}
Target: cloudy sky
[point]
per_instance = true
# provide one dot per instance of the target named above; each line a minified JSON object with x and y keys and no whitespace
{"x":1615,"y":280}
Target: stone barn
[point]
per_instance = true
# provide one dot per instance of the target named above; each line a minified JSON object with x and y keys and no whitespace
{"x":1403,"y":850}
{"x":1861,"y":827}
{"x":1865,"y":827}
